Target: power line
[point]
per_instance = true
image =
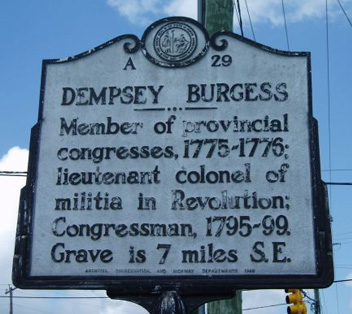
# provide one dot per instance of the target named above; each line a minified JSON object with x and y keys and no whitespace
{"x":87,"y":297}
{"x":343,"y":233}
{"x":286,"y":32}
{"x":264,"y":307}
{"x":338,"y":183}
{"x":13,"y":173}
{"x":52,"y":297}
{"x":19,"y":297}
{"x":336,"y":170}
{"x":328,"y":92}
{"x":348,"y":19}
{"x":250,"y":20}
{"x":237,"y":15}
{"x":343,"y":280}
{"x":240,"y":16}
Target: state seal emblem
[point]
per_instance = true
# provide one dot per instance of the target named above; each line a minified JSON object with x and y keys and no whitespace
{"x":175,"y":41}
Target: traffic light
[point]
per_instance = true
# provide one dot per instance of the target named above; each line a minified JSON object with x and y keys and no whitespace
{"x":295,"y":297}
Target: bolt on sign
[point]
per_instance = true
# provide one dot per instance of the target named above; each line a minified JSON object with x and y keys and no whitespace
{"x":175,"y":161}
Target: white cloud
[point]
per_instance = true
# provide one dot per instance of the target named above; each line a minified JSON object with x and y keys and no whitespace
{"x":182,"y":8}
{"x":137,"y":11}
{"x":14,"y":160}
{"x":143,"y":12}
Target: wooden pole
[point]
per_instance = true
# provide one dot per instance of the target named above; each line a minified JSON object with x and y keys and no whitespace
{"x":217,"y":15}
{"x":9,"y":291}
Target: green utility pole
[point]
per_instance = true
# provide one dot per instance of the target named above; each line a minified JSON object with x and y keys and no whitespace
{"x":217,"y":15}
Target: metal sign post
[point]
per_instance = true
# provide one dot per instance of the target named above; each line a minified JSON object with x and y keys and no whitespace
{"x":173,"y":170}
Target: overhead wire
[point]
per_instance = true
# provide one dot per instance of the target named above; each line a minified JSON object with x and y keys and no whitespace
{"x":250,"y":20}
{"x":329,"y":119}
{"x":240,"y":17}
{"x":343,"y":266}
{"x":343,"y":233}
{"x":312,"y":302}
{"x":337,"y":170}
{"x":107,"y":298}
{"x":344,"y":238}
{"x":52,"y":297}
{"x":104,"y":297}
{"x":338,"y":183}
{"x":328,"y":95}
{"x":13,"y":173}
{"x":237,"y":15}
{"x":344,"y":12}
{"x":286,"y":31}
{"x":264,"y":307}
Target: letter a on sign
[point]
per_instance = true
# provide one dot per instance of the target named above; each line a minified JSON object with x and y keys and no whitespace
{"x":129,"y":65}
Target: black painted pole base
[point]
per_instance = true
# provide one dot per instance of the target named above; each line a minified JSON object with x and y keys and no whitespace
{"x":169,"y":303}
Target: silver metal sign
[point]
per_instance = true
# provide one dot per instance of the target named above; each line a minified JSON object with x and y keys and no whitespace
{"x":175,"y":161}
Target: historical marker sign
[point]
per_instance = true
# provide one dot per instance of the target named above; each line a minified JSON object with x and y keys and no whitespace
{"x":174,"y":161}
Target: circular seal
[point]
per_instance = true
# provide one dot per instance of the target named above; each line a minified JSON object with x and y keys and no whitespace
{"x":175,"y":41}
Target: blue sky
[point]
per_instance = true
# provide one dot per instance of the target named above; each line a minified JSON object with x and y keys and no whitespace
{"x":33,"y":30}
